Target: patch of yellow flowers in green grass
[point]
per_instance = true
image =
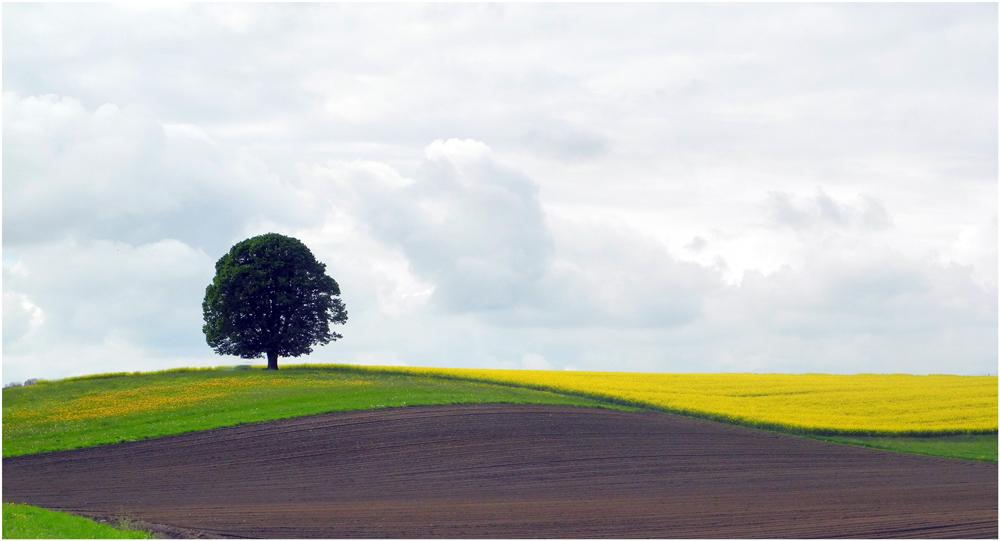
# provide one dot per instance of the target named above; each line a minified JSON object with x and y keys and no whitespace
{"x":872,"y":404}
{"x":147,"y":399}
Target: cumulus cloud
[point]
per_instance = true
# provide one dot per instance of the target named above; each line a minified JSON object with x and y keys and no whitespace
{"x":976,"y":246}
{"x":148,"y":294}
{"x":567,"y":143}
{"x":100,"y":306}
{"x":120,"y":173}
{"x":850,"y":309}
{"x":697,"y":244}
{"x":21,"y":317}
{"x":822,"y":210}
{"x":469,"y":225}
{"x":613,"y":276}
{"x":637,"y":187}
{"x":474,"y":229}
{"x":534,"y":361}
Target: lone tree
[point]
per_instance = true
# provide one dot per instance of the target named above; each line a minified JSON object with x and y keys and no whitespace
{"x":271,"y":296}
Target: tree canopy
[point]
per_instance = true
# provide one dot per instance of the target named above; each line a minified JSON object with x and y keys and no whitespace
{"x":270,"y":296}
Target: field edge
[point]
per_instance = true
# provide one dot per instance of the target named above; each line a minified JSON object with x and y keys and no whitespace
{"x":708,"y":416}
{"x":601,"y":400}
{"x":23,"y":521}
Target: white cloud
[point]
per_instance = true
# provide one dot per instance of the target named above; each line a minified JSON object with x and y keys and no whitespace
{"x":459,"y":153}
{"x":825,"y":211}
{"x":232,"y":17}
{"x":870,"y":310}
{"x":474,"y":232}
{"x":657,"y":187}
{"x":976,"y":247}
{"x":534,"y":361}
{"x":148,"y":296}
{"x":602,"y":275}
{"x":467,"y":224}
{"x":120,"y":173}
{"x":21,"y":317}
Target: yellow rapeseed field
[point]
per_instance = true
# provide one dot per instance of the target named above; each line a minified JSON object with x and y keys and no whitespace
{"x":865,"y":403}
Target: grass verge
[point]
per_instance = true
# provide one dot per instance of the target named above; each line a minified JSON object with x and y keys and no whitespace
{"x":27,"y":522}
{"x":981,"y":447}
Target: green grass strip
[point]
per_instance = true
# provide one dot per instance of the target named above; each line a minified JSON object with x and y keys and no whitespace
{"x":980,"y":447}
{"x":27,"y":522}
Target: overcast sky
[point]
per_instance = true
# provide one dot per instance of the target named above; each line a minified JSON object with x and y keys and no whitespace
{"x":764,"y":188}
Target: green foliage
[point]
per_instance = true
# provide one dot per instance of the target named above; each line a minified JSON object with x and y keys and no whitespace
{"x":27,"y":522}
{"x":55,"y":416}
{"x":271,"y":296}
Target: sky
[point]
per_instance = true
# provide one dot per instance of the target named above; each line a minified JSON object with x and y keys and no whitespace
{"x":764,"y":188}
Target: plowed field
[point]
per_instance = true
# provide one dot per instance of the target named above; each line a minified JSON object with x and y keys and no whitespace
{"x":501,"y":471}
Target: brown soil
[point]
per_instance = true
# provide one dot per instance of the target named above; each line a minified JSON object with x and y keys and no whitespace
{"x":503,"y":471}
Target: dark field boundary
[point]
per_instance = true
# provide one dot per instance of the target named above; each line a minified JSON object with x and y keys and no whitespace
{"x":509,"y":471}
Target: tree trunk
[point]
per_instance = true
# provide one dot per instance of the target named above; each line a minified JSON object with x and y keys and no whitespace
{"x":272,"y":360}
